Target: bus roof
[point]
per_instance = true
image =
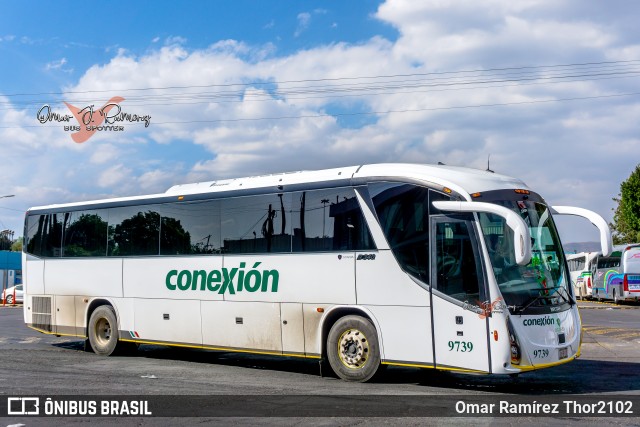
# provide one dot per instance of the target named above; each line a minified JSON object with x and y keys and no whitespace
{"x":461,"y":180}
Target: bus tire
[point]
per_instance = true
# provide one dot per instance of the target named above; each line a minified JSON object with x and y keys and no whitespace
{"x":352,"y":349}
{"x":103,"y":331}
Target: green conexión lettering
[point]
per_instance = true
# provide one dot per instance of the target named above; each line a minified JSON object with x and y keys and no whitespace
{"x":225,"y":280}
{"x":542,"y":321}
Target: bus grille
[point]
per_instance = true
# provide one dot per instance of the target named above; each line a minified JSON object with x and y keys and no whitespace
{"x":42,"y":313}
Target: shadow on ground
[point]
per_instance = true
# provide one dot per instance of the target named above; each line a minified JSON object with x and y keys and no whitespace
{"x":578,"y":377}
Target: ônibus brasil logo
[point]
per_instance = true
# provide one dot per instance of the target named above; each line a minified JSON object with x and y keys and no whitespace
{"x":225,"y":280}
{"x":108,"y":118}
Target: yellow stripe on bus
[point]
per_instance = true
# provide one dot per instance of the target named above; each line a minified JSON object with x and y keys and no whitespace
{"x":443,"y":368}
{"x":55,"y":333}
{"x":546,"y":365}
{"x":234,"y":350}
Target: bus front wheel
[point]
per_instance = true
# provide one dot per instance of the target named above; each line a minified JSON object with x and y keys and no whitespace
{"x":103,"y":330}
{"x":352,"y":349}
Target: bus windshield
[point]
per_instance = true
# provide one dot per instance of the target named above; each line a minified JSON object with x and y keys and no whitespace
{"x":540,"y":286}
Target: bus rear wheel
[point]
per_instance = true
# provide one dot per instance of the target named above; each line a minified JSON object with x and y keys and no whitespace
{"x":352,"y":349}
{"x":103,"y":331}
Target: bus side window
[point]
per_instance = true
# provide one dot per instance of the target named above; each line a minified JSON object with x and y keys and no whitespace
{"x":328,"y":220}
{"x":581,"y":263}
{"x":256,"y":224}
{"x":34,"y":234}
{"x":134,"y":231}
{"x":191,"y":228}
{"x":403,"y":213}
{"x":44,"y":235}
{"x":85,"y":233}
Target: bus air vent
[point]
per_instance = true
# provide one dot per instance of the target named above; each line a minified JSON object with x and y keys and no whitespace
{"x":42,"y":313}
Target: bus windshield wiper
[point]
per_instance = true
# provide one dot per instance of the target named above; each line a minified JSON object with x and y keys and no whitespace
{"x":533,"y":300}
{"x":566,"y":296}
{"x":522,"y":308}
{"x":542,"y":296}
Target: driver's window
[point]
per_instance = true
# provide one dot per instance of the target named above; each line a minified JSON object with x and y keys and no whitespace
{"x":456,"y":266}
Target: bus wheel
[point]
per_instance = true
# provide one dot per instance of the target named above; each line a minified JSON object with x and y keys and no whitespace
{"x":103,"y":330}
{"x":352,"y":349}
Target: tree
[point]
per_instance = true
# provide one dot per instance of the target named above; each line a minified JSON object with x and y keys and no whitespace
{"x":137,"y":235}
{"x":17,"y":245}
{"x":626,"y":219}
{"x":86,"y":236}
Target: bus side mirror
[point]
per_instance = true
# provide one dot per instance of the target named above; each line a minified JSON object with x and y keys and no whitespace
{"x":521,"y":234}
{"x":597,"y":220}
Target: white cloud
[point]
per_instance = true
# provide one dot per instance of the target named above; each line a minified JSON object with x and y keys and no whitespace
{"x":304,"y":19}
{"x":58,"y":65}
{"x":175,"y":41}
{"x":104,"y":153}
{"x":114,"y":175}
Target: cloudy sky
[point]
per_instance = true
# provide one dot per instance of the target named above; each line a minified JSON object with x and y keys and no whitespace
{"x":548,"y":89}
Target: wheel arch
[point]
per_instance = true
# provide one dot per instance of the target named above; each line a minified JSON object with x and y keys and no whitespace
{"x":337,"y":312}
{"x":93,"y":305}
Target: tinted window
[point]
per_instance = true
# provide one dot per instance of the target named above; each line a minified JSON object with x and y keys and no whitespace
{"x":403,"y":212}
{"x":456,"y":266}
{"x":577,"y":264}
{"x":44,"y":235}
{"x":328,"y":220}
{"x":190,"y":228}
{"x":33,"y":234}
{"x":608,"y":262}
{"x":85,"y":233}
{"x":134,"y":231}
{"x":256,"y":224}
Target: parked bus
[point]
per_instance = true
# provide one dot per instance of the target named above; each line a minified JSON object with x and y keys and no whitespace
{"x":394,"y":264}
{"x":581,"y":268}
{"x":617,"y":277}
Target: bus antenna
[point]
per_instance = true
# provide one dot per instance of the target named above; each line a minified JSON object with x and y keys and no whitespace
{"x":489,"y":169}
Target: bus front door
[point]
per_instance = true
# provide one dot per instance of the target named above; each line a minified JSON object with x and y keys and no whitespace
{"x":460,"y":329}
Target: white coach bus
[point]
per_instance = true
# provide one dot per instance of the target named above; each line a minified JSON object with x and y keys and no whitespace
{"x":395,"y":264}
{"x":617,"y":276}
{"x":581,"y":268}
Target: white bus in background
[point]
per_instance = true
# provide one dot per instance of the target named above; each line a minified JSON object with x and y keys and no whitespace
{"x":395,"y":264}
{"x":617,"y":276}
{"x":581,"y":268}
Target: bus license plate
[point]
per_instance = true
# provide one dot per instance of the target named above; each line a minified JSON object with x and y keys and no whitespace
{"x":563,"y":353}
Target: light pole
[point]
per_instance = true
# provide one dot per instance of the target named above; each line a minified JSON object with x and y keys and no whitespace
{"x":324,"y":211}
